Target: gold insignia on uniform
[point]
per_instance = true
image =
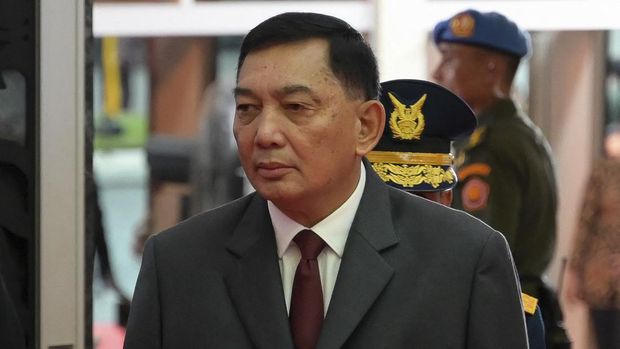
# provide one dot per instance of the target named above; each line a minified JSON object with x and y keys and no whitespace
{"x":475,"y":169}
{"x":476,"y":137}
{"x":407,"y":122}
{"x":411,"y":175}
{"x":411,"y":169}
{"x":529,"y":303}
{"x":405,"y":158}
{"x":475,"y":194}
{"x":463,"y":25}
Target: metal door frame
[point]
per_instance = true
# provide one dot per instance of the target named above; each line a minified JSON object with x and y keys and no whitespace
{"x":61,"y":109}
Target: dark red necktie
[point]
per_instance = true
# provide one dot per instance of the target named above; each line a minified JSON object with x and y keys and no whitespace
{"x":306,"y":313}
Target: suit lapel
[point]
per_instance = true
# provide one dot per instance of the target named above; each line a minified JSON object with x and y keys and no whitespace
{"x":255,"y":285}
{"x":363,"y":272}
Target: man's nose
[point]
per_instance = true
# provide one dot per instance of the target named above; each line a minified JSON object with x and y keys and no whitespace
{"x":270,"y":129}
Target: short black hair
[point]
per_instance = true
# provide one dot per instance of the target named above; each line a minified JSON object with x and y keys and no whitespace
{"x":350,"y":57}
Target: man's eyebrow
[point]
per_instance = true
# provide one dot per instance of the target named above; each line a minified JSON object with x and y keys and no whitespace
{"x":291,"y":89}
{"x":284,"y":91}
{"x":241,"y":91}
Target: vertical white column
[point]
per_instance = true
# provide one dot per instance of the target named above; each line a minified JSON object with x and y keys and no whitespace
{"x":61,"y":163}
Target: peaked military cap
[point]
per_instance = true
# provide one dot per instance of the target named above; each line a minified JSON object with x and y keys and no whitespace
{"x":486,"y":29}
{"x":422,"y":118}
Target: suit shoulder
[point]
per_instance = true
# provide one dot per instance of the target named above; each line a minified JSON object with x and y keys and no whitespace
{"x":211,"y":224}
{"x":445,"y":237}
{"x":438,"y":221}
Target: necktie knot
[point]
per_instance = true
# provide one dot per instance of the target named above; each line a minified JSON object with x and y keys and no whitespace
{"x":309,"y":244}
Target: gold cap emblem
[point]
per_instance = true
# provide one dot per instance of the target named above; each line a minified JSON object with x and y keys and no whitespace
{"x":407,"y":122}
{"x":462,"y":25}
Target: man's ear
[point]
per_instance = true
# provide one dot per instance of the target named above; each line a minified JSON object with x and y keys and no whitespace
{"x":496,"y":66}
{"x":370,"y":128}
{"x":492,"y":68}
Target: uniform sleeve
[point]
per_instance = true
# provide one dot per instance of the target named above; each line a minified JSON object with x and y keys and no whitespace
{"x":490,"y":190}
{"x":144,"y":324}
{"x":535,"y":330}
{"x":496,"y":317}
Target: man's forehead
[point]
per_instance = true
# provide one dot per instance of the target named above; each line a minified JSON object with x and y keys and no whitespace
{"x":454,"y":47}
{"x":462,"y":50}
{"x":281,"y":90}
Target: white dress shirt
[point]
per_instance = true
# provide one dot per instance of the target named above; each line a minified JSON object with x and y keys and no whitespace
{"x":334,"y":230}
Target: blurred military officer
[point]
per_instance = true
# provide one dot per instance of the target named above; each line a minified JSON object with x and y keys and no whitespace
{"x":420,"y":162}
{"x":427,"y":163}
{"x":505,"y":170}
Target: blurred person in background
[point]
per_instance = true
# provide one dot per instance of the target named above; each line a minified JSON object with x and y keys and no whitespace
{"x":595,"y":259}
{"x":426,"y":163}
{"x":505,"y":170}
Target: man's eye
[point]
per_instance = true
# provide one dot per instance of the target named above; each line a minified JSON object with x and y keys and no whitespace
{"x":248,"y":108}
{"x":246,"y":112}
{"x":295,"y":107}
{"x":243,"y":107}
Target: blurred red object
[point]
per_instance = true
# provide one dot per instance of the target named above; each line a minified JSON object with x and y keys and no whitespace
{"x":108,"y":336}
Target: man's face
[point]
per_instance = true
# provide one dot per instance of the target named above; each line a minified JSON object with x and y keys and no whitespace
{"x":463,"y":70}
{"x":296,"y":129}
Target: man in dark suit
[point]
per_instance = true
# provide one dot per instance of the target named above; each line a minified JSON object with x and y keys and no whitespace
{"x":393,"y":270}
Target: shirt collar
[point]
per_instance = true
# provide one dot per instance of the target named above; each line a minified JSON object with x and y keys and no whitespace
{"x":333,"y":229}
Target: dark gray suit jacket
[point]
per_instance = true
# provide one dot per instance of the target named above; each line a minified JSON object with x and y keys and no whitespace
{"x":11,"y":332}
{"x":414,"y":274}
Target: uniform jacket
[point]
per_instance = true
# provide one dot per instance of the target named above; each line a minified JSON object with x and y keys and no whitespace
{"x":414,"y":274}
{"x":506,"y":178}
{"x":596,"y":256}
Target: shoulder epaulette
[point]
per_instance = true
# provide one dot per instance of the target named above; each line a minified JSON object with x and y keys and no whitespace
{"x":476,"y":137}
{"x":529,"y":303}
